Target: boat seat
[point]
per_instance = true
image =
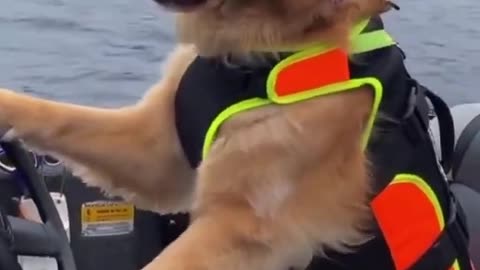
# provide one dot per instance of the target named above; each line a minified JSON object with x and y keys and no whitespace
{"x":469,"y":199}
{"x":465,"y":171}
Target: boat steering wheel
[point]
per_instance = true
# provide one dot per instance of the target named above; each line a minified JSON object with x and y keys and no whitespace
{"x":22,"y":237}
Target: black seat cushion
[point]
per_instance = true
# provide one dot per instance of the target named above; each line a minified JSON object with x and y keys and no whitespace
{"x":470,"y":201}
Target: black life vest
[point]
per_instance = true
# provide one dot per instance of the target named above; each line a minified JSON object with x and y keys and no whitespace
{"x":402,"y":153}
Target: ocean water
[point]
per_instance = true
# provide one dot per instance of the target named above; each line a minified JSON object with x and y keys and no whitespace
{"x":108,"y":53}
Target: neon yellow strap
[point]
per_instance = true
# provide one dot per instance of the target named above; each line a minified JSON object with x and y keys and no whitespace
{"x":356,"y":30}
{"x":227,"y":113}
{"x":371,"y":41}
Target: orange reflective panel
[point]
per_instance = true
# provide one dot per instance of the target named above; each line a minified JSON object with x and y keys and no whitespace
{"x":408,"y":216}
{"x":313,"y":72}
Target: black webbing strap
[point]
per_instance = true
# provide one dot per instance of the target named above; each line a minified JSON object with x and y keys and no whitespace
{"x":444,"y":118}
{"x":451,"y":245}
{"x":446,"y":127}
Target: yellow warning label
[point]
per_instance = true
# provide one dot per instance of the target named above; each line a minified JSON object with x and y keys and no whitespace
{"x":107,"y":211}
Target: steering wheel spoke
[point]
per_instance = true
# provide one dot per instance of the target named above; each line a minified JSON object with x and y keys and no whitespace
{"x":8,"y":257}
{"x":33,"y":238}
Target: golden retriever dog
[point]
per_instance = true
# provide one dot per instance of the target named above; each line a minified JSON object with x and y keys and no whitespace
{"x":280,"y":184}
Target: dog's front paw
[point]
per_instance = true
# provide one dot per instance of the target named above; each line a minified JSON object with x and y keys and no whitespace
{"x":7,"y":134}
{"x":6,"y":94}
{"x":7,"y":99}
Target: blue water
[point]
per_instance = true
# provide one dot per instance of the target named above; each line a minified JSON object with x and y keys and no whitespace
{"x":108,"y":53}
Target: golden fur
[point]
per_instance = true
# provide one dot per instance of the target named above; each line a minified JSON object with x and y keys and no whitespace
{"x":280,"y":184}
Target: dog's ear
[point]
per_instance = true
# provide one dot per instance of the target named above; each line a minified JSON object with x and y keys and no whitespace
{"x":339,"y":17}
{"x":347,"y":13}
{"x":374,"y":7}
{"x":357,"y":9}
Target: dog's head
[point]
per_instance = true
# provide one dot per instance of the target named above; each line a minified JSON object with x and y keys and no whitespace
{"x":219,"y":27}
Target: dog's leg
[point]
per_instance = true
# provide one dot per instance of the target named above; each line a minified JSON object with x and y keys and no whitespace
{"x":232,"y":238}
{"x":132,"y":151}
{"x":279,"y":184}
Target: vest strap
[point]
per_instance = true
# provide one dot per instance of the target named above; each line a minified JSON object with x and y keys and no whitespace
{"x":419,"y":111}
{"x":370,"y":41}
{"x":446,"y":126}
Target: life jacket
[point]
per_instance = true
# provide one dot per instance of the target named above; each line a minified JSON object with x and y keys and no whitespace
{"x":418,"y":224}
